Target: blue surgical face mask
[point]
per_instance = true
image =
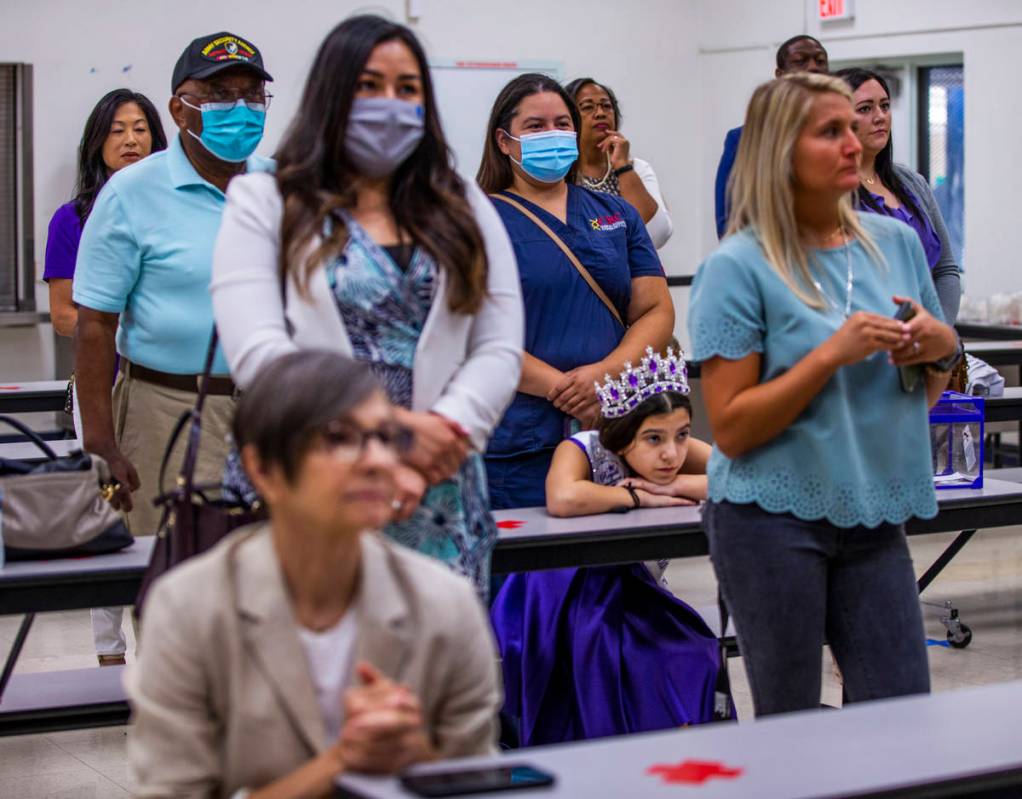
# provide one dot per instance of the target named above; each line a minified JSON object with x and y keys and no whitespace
{"x":547,"y":156}
{"x":230,"y":131}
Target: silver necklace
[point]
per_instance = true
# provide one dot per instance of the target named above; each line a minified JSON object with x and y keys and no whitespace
{"x":848,"y":284}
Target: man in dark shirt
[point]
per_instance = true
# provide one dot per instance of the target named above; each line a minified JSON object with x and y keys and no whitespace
{"x":799,"y":54}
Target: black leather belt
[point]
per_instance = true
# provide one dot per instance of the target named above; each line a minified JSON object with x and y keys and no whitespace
{"x":217,"y":386}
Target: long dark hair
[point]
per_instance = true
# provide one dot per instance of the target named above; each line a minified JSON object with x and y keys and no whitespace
{"x":495,"y":173}
{"x":577,"y":85}
{"x":617,"y":434}
{"x":316,"y":177}
{"x":92,"y":169}
{"x":884,"y":163}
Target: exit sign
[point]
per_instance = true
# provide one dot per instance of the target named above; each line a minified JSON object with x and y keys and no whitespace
{"x":830,"y":10}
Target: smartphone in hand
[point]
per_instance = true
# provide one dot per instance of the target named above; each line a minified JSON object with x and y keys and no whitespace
{"x":908,"y":376}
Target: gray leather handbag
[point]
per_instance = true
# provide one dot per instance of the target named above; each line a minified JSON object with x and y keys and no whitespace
{"x":57,"y":508}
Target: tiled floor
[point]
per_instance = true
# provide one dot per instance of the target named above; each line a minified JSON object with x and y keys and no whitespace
{"x":985,"y":583}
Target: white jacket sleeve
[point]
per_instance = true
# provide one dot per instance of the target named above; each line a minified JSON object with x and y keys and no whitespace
{"x":245,"y":287}
{"x":484,"y":385}
{"x":660,"y":227}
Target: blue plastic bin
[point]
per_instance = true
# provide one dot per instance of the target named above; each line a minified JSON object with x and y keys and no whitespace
{"x":956,"y":440}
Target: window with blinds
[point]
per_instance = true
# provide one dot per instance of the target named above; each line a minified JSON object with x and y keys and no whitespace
{"x":17,"y":261}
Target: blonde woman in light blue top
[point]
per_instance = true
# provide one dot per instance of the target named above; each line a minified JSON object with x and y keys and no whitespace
{"x":820,"y":455}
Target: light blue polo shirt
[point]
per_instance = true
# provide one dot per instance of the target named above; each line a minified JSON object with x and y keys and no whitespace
{"x":147,"y":253}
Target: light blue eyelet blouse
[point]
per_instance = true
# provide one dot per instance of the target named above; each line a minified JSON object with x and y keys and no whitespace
{"x":859,"y":454}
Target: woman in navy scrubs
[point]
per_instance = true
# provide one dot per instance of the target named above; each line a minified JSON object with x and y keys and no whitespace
{"x":572,"y":339}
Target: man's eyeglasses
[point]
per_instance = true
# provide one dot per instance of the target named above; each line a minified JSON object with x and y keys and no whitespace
{"x":347,"y":442}
{"x":257,"y":97}
{"x":589,"y":107}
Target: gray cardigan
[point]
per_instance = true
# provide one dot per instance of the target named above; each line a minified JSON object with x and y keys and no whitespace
{"x":946,"y":276}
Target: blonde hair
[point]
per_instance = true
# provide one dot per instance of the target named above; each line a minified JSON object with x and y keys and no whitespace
{"x":761,"y":190}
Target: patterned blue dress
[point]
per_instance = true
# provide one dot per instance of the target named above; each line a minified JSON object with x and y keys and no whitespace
{"x":384,"y":310}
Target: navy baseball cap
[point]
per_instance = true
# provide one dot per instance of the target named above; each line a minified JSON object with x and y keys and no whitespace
{"x":208,"y":55}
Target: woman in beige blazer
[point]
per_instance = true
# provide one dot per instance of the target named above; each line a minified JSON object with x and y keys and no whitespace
{"x":309,"y":645}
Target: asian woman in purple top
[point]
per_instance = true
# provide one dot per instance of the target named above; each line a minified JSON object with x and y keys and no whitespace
{"x":895,"y":190}
{"x":123,"y":128}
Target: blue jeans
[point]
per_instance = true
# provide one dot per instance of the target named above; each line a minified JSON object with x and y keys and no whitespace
{"x":792,"y":584}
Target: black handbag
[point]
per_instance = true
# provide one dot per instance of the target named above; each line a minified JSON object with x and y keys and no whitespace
{"x":57,"y":508}
{"x":195,"y":517}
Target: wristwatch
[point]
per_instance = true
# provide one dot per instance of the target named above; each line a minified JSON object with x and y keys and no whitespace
{"x":622,"y":169}
{"x":951,"y":361}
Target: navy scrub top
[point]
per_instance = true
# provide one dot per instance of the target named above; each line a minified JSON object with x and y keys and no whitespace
{"x":566,"y":324}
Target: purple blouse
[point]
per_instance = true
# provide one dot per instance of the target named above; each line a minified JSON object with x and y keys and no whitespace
{"x":62,"y":243}
{"x":920,"y":224}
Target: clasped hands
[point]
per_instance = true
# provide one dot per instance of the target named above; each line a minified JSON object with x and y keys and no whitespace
{"x":575,"y":393}
{"x":439,"y":447}
{"x":383,"y":728}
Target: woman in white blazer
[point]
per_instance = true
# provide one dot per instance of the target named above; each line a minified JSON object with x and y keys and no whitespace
{"x":366,"y":241}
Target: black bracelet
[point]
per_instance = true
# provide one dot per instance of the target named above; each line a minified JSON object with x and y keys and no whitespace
{"x":622,"y":169}
{"x":943,"y":365}
{"x":636,"y":502}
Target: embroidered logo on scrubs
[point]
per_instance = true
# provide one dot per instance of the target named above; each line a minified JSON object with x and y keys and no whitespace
{"x":228,"y":48}
{"x":605,"y":223}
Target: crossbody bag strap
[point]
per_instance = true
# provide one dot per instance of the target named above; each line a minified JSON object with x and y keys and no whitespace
{"x":193,"y":419}
{"x":588,"y":278}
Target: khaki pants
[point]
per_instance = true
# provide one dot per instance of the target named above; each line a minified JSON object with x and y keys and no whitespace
{"x":144,"y":418}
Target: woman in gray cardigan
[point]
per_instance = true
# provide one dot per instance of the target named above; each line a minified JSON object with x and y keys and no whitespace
{"x":895,"y":190}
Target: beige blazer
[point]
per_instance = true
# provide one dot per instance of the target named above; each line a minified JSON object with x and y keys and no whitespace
{"x":222,"y":697}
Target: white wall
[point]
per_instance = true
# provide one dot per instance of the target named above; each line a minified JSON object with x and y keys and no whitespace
{"x":81,"y":50}
{"x":735,"y":58}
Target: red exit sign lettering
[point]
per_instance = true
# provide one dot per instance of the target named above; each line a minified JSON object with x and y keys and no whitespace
{"x":835,"y":9}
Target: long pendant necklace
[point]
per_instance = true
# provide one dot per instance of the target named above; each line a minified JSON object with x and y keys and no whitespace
{"x":848,"y":283}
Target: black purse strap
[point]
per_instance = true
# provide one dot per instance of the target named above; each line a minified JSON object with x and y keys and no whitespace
{"x":31,"y":436}
{"x":186,"y":477}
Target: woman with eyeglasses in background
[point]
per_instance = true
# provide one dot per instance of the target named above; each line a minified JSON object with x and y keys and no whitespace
{"x":605,"y":162}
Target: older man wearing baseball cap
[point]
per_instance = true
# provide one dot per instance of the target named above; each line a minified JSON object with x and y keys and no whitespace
{"x":143,"y":271}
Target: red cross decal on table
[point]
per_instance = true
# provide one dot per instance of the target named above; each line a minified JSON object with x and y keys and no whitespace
{"x":510,"y":524}
{"x":694,"y":772}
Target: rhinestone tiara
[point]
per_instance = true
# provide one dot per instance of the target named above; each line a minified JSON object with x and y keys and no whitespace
{"x":656,"y":374}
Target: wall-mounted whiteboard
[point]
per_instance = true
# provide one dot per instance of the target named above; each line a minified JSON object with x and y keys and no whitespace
{"x":465,"y":92}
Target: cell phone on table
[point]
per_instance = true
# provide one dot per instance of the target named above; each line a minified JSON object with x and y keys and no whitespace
{"x":512,"y":777}
{"x":908,"y":376}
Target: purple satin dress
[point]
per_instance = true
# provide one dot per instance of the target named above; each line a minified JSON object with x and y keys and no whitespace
{"x":593,"y":652}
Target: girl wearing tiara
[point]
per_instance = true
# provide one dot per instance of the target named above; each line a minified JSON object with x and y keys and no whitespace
{"x":590,"y":652}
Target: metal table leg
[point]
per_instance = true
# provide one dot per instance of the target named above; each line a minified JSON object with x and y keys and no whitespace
{"x":12,"y":657}
{"x":945,"y":558}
